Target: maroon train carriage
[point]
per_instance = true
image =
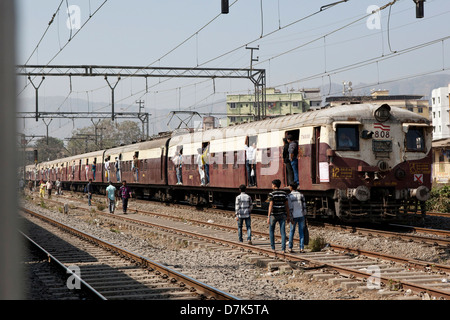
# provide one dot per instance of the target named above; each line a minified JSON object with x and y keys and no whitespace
{"x":356,"y":162}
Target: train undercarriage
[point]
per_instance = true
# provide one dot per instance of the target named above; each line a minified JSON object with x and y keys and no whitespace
{"x":381,"y":205}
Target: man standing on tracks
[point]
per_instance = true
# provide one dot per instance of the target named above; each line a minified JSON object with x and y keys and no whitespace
{"x":297,"y":208}
{"x":125,"y":194}
{"x":278,"y":212}
{"x":111,"y":196}
{"x":244,"y":207}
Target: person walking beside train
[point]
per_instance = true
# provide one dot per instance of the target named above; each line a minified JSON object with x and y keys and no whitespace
{"x":49,"y":186}
{"x":125,"y":194}
{"x":111,"y":197}
{"x":278,"y":212}
{"x":89,"y":189}
{"x":243,"y":208}
{"x":293,"y":156}
{"x":42,"y":189}
{"x":297,"y":209}
{"x":58,"y":186}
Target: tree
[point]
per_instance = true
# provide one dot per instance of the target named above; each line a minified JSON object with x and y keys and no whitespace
{"x":53,"y":150}
{"x":104,"y":135}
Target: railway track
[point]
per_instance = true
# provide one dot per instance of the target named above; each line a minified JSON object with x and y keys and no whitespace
{"x":111,"y":272}
{"x":422,"y":235}
{"x":350,"y":267}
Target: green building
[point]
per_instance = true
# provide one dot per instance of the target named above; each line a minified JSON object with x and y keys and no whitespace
{"x":240,"y":107}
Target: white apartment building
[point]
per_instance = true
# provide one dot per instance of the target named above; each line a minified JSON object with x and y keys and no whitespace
{"x":440,"y":114}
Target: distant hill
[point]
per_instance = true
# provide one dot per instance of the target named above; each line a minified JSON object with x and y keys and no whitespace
{"x":416,"y":86}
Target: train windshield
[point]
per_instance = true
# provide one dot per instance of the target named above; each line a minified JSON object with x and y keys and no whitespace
{"x":415,"y":139}
{"x":347,"y":138}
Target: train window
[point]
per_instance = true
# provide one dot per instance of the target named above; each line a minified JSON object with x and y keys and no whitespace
{"x":415,"y":139}
{"x":347,"y":138}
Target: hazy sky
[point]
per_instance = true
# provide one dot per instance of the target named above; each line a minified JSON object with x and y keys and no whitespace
{"x":299,"y":45}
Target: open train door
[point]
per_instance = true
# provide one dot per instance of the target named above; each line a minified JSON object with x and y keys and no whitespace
{"x":315,"y":151}
{"x":164,"y":162}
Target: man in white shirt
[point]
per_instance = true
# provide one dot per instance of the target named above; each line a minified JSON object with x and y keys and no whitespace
{"x":297,"y":208}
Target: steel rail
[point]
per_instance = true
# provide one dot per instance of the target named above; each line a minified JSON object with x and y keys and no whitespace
{"x":314,"y":263}
{"x":200,"y":287}
{"x":88,"y":288}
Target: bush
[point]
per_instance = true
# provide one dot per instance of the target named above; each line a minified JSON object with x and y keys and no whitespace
{"x":439,"y":199}
{"x":316,"y":244}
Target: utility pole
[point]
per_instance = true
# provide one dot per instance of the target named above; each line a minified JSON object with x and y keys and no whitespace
{"x":257,"y":94}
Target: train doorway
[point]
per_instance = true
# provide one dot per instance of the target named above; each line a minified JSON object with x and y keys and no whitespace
{"x":288,"y":164}
{"x":315,"y":150}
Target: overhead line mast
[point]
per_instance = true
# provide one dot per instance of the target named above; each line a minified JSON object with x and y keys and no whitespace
{"x":257,"y":76}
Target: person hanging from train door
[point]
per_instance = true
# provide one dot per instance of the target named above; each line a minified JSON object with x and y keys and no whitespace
{"x":205,"y":161}
{"x":73,"y":170}
{"x":252,"y":162}
{"x":117,"y":166}
{"x":293,"y":156}
{"x":287,"y":162}
{"x":178,"y":163}
{"x":250,"y":157}
{"x":201,"y":170}
{"x":94,"y":168}
{"x":135,"y":167}
{"x":86,"y":168}
{"x":107,"y":170}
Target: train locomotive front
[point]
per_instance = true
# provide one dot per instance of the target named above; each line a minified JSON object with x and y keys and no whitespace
{"x":377,"y":162}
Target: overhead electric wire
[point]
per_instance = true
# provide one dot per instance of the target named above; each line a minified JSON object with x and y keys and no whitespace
{"x":70,"y":39}
{"x":320,"y":10}
{"x":45,"y":32}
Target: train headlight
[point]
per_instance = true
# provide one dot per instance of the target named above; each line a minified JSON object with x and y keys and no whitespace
{"x":422,"y":193}
{"x":383,"y":113}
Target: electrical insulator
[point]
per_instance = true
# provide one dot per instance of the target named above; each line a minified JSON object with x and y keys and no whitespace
{"x":225,"y":6}
{"x":419,"y":8}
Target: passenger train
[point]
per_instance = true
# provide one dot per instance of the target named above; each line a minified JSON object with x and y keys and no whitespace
{"x":381,"y":173}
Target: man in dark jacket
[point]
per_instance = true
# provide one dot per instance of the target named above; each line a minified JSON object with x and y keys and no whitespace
{"x":287,"y":162}
{"x":90,"y":190}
